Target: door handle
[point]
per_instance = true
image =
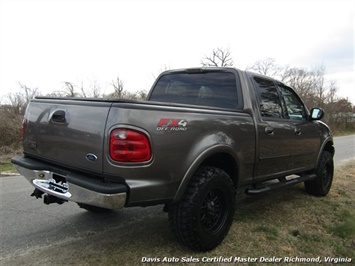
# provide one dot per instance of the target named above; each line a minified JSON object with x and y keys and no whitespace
{"x":58,"y":116}
{"x":269,"y":131}
{"x":298,"y":131}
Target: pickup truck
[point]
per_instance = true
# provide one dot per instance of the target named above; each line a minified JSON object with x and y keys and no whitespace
{"x":202,"y":136}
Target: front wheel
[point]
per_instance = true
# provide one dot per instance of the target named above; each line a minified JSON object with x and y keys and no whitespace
{"x":320,"y":186}
{"x":203,"y":216}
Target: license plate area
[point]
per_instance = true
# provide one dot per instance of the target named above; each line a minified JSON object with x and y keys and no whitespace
{"x":52,"y":183}
{"x":58,"y":184}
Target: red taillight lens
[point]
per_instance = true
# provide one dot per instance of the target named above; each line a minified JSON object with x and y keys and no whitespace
{"x":127,"y":145}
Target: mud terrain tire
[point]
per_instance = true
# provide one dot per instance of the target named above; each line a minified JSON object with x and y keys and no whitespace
{"x":320,"y":186}
{"x":203,"y":216}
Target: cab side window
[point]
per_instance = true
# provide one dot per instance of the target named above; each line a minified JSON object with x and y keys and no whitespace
{"x":269,"y":100}
{"x":294,"y":107}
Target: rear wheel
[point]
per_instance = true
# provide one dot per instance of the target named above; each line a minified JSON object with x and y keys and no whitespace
{"x":205,"y":213}
{"x":321,"y":185}
{"x":92,"y":208}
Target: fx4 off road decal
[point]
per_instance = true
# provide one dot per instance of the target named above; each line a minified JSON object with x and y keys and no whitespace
{"x":172,"y":124}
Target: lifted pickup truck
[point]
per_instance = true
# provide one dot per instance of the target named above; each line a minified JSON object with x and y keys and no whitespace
{"x":203,"y":135}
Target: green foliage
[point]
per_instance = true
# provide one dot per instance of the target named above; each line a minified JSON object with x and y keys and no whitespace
{"x":345,"y":228}
{"x":271,"y":232}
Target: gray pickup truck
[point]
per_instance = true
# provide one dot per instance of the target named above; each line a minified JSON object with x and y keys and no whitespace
{"x":202,"y":136}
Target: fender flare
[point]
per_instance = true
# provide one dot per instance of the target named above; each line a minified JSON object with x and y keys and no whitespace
{"x":327,"y":141}
{"x":216,"y":149}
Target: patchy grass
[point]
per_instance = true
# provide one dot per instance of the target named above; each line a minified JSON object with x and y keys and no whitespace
{"x":346,"y":228}
{"x":6,"y":167}
{"x":6,"y":153}
{"x":283,"y":223}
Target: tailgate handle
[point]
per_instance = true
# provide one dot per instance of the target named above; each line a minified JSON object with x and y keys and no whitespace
{"x":58,"y":116}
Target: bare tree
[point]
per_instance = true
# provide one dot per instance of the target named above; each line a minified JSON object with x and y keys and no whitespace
{"x":220,"y":58}
{"x":94,"y":91}
{"x":311,"y":85}
{"x":19,"y":100}
{"x":333,"y":88}
{"x":266,"y":67}
{"x":59,"y":94}
{"x":11,"y":115}
{"x":315,"y":90}
{"x":16,"y":103}
{"x":69,"y":88}
{"x":82,"y":90}
{"x":320,"y":89}
{"x":30,"y":93}
{"x":303,"y":81}
{"x":141,"y":95}
{"x":118,"y":87}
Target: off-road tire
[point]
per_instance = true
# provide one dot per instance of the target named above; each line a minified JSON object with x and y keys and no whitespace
{"x":93,"y":209}
{"x":320,"y":186}
{"x":203,"y":216}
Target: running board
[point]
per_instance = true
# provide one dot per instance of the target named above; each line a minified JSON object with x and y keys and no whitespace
{"x":283,"y":183}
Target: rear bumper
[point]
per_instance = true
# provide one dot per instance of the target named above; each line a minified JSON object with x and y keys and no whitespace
{"x":71,"y":186}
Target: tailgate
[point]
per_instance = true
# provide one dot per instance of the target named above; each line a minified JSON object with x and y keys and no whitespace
{"x":66,"y":132}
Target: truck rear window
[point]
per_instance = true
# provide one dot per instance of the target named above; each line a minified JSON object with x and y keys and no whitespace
{"x":213,"y":89}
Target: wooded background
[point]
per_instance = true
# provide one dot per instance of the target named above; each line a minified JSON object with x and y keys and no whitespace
{"x":311,"y":84}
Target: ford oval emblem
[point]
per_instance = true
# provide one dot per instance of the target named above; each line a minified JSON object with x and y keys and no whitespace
{"x":91,"y":157}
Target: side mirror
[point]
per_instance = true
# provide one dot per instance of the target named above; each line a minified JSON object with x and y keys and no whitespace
{"x":316,"y":114}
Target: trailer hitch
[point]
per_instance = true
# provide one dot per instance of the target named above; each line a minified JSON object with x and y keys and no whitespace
{"x":47,"y":199}
{"x":37,"y":193}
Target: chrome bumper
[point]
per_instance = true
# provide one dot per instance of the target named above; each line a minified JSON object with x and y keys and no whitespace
{"x":45,"y":182}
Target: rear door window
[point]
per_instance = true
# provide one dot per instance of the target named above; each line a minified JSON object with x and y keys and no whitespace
{"x":269,"y":100}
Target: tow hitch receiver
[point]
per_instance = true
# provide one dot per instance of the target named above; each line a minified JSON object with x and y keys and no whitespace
{"x":59,"y":186}
{"x":37,"y":193}
{"x":52,"y":187}
{"x":48,"y":199}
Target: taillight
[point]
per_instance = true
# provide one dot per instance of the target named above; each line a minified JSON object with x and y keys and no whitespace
{"x":128,"y":145}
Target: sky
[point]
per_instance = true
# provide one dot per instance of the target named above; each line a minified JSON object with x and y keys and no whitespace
{"x":45,"y":43}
